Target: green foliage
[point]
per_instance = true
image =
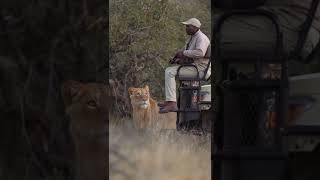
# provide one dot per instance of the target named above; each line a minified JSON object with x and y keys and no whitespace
{"x":67,"y":33}
{"x":143,"y":36}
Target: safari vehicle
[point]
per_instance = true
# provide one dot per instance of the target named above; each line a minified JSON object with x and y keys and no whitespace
{"x":194,"y":100}
{"x":252,"y":99}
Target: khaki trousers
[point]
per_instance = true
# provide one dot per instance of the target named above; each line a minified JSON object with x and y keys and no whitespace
{"x":171,"y":72}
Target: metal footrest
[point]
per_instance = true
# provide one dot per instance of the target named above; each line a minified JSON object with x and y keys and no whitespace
{"x":189,"y":79}
{"x":188,"y":110}
{"x":205,"y":102}
{"x":190,"y":88}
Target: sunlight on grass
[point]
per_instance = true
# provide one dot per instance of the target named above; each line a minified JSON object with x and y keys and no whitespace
{"x":156,"y":155}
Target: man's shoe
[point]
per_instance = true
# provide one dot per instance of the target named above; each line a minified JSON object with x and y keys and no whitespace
{"x":169,"y":106}
{"x":161,"y":104}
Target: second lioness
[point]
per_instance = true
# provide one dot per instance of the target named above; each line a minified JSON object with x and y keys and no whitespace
{"x":146,"y":111}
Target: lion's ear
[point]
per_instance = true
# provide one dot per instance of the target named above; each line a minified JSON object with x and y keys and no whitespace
{"x":130,"y":90}
{"x":146,"y":87}
{"x":70,"y":89}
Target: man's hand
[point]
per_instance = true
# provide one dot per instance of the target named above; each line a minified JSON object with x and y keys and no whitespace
{"x":178,"y":58}
{"x":173,"y":60}
{"x":179,"y":55}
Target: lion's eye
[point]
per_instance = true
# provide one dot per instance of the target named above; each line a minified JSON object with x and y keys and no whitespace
{"x":92,"y":104}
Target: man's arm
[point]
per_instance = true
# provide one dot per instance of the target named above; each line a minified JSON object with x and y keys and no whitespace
{"x":179,"y":54}
{"x":200,"y":50}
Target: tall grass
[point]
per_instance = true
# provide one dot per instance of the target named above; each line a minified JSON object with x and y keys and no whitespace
{"x":150,"y":155}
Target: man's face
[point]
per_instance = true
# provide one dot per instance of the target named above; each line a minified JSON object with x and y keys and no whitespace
{"x":190,"y":30}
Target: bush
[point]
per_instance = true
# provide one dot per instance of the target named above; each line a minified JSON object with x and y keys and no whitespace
{"x":144,"y":35}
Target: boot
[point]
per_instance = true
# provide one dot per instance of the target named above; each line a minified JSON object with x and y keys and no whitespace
{"x":169,"y":106}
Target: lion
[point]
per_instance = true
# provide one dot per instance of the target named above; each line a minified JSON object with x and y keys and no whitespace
{"x":87,"y":107}
{"x":146,"y":111}
{"x":293,"y":113}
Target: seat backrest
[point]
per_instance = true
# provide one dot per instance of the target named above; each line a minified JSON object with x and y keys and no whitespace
{"x":207,"y":56}
{"x":257,"y":34}
{"x":208,"y":52}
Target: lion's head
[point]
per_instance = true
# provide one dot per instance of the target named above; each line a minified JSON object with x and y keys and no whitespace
{"x":140,"y":97}
{"x":86,"y":100}
{"x":87,"y":106}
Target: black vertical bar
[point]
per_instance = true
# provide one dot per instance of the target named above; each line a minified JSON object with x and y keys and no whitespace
{"x":303,"y":33}
{"x":227,"y":128}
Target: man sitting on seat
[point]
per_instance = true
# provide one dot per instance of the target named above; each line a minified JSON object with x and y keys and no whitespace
{"x":193,"y":51}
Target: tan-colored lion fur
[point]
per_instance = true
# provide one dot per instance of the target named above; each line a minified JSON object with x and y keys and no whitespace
{"x":146,"y":111}
{"x":86,"y":105}
{"x":293,"y":114}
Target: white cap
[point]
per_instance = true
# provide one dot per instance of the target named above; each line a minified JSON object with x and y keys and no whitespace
{"x":193,"y":21}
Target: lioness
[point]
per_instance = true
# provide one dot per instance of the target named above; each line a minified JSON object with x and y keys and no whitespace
{"x":86,"y":104}
{"x":146,"y":111}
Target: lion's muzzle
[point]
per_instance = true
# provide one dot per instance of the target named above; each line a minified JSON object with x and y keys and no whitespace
{"x":144,"y":104}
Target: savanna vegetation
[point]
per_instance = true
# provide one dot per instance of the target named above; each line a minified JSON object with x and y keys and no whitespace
{"x":43,"y":43}
{"x":143,"y":36}
{"x":152,"y":155}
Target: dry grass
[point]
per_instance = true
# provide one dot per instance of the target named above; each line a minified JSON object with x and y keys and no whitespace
{"x":148,"y":155}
